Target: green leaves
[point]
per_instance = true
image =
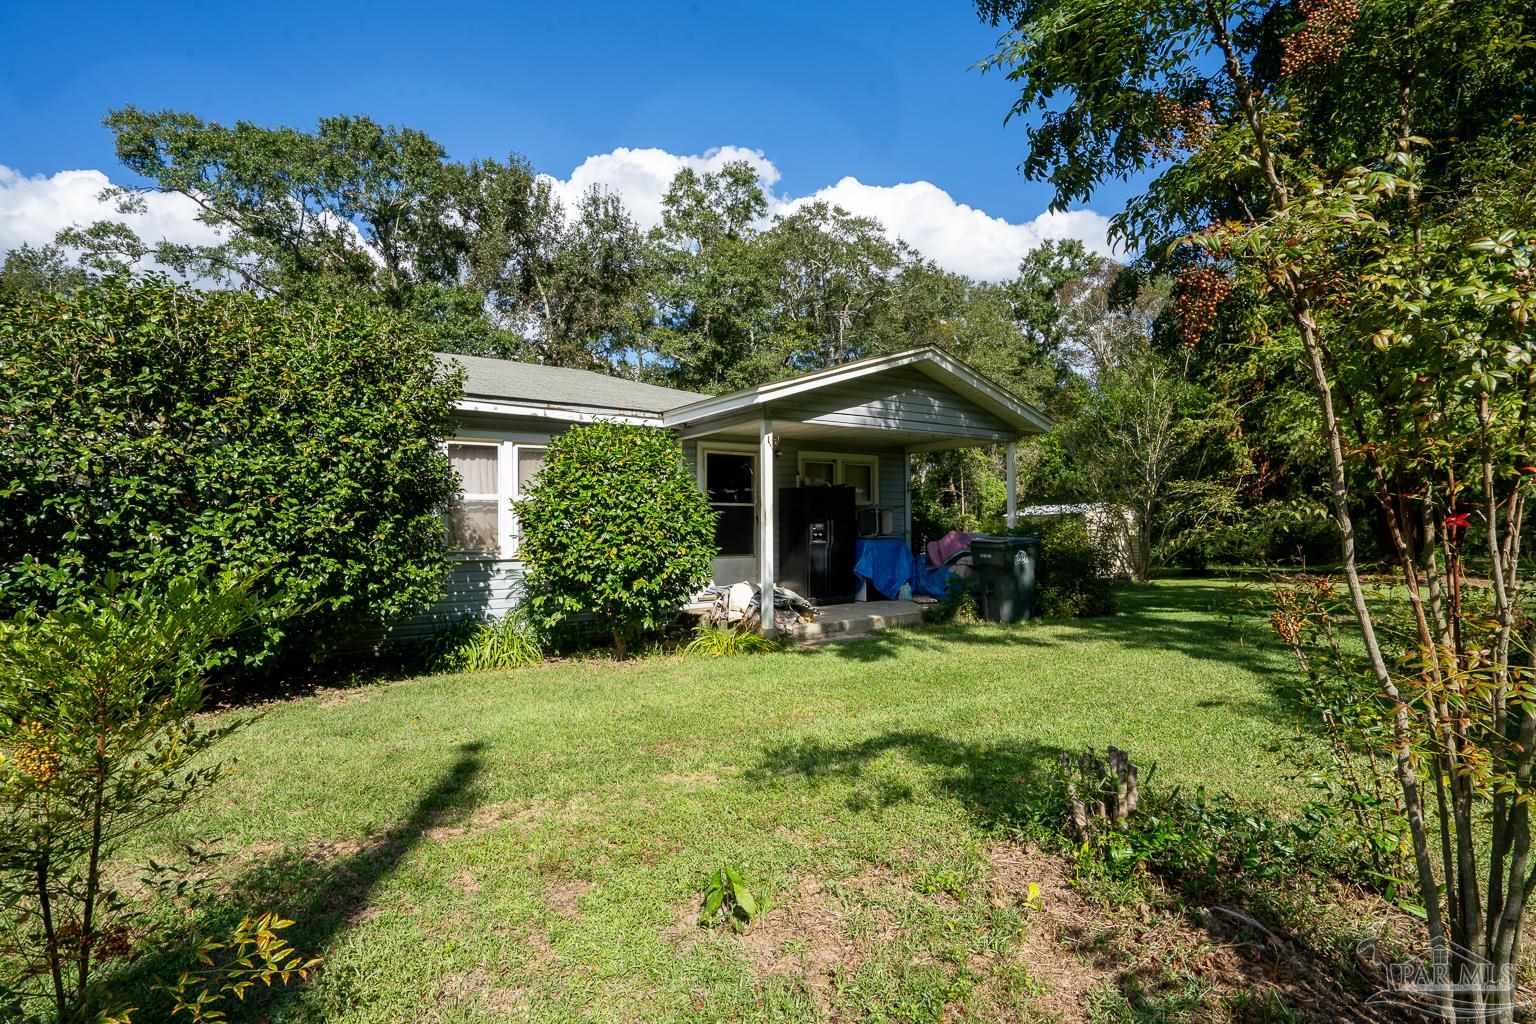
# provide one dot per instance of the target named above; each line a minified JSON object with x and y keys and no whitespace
{"x":99,"y":738}
{"x":159,"y":432}
{"x":615,"y":529}
{"x":726,"y":897}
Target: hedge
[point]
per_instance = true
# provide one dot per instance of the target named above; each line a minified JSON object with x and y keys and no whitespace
{"x":156,"y":432}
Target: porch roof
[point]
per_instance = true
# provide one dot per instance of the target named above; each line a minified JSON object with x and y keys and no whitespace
{"x":921,"y":398}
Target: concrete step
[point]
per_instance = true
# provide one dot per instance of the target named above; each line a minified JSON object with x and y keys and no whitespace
{"x":846,"y":621}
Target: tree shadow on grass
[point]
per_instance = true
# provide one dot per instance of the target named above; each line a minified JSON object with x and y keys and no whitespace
{"x":325,"y":888}
{"x":1004,"y":786}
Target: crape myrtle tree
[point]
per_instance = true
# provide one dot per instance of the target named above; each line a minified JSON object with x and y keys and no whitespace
{"x":1354,"y":175}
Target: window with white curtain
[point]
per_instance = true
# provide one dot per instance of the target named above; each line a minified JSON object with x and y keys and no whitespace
{"x":474,"y":521}
{"x":530,"y":459}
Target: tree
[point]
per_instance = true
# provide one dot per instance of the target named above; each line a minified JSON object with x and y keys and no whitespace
{"x":1144,"y":437}
{"x":573,"y":284}
{"x":356,"y":208}
{"x":31,"y":269}
{"x":835,"y":274}
{"x":715,"y":282}
{"x":157,"y":432}
{"x":100,"y":739}
{"x":1389,"y":272}
{"x":615,"y":529}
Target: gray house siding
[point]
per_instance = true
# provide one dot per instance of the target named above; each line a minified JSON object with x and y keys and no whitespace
{"x":479,"y":587}
{"x":903,"y":399}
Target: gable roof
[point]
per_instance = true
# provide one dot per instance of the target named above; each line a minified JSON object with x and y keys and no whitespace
{"x":934,"y":363}
{"x":503,"y":380}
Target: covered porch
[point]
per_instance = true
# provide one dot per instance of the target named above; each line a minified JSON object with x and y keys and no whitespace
{"x":799,"y":471}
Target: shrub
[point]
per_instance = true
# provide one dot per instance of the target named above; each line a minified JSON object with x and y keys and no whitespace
{"x":726,"y":642}
{"x":1074,"y":574}
{"x":616,"y":529}
{"x":958,"y":605}
{"x":511,"y":641}
{"x":99,"y":739}
{"x":159,"y":432}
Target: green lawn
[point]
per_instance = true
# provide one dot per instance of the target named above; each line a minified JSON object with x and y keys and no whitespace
{"x":531,"y":845}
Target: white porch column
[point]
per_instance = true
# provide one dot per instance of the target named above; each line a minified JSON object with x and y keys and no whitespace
{"x":1013,"y":484}
{"x":906,"y":494}
{"x":767,"y":557}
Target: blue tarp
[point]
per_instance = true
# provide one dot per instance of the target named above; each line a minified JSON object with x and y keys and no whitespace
{"x":887,"y":564}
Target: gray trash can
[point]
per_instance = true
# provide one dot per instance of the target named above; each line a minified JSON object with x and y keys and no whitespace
{"x":1005,"y":576}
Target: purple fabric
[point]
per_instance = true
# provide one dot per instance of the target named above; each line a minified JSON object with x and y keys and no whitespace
{"x":948,"y":546}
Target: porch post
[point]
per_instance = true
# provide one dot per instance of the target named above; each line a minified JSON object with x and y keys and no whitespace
{"x":906,"y":494}
{"x":766,"y":555}
{"x":1013,"y":484}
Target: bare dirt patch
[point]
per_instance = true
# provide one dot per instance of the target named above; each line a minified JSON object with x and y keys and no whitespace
{"x":564,"y":894}
{"x":1078,"y":950}
{"x":804,"y":936}
{"x":477,"y":987}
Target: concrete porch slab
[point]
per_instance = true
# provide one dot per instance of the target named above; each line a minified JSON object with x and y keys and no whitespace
{"x":844,"y":621}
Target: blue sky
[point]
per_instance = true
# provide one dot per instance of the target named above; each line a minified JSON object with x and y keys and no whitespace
{"x":883,"y":93}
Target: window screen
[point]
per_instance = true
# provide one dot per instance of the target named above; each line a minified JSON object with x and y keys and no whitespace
{"x":728,"y":479}
{"x":529,"y":462}
{"x":819,"y":474}
{"x":860,"y":476}
{"x":473,"y":519}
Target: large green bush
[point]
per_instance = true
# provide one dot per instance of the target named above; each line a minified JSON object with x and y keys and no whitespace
{"x":615,"y":529}
{"x":160,"y":432}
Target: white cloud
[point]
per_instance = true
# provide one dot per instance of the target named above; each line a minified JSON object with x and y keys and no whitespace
{"x":642,"y":176}
{"x":35,"y":209}
{"x":958,"y":237}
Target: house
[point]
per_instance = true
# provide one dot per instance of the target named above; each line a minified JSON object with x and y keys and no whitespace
{"x":852,"y":427}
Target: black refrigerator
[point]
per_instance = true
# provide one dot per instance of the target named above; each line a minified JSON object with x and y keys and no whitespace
{"x":817,"y":528}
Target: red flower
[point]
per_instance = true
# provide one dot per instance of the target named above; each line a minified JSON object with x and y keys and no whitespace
{"x":1528,"y":469}
{"x":1457,"y":519}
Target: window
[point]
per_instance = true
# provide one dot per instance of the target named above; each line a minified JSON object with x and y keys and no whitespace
{"x":474,"y":521}
{"x":861,"y":477}
{"x":728,"y":480}
{"x":530,"y":459}
{"x":861,"y":472}
{"x":818,"y":473}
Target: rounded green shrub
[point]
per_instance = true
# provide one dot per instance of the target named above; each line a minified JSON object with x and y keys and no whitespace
{"x":615,"y":530}
{"x":159,"y":432}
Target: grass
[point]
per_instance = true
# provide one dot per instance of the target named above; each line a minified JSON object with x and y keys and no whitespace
{"x":532,"y":845}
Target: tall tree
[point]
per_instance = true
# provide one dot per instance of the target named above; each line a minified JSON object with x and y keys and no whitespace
{"x":835,"y":274}
{"x":714,"y":281}
{"x":1342,"y":169}
{"x":572,"y":284}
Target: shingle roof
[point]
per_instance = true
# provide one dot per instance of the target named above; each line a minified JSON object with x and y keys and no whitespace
{"x":560,"y":385}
